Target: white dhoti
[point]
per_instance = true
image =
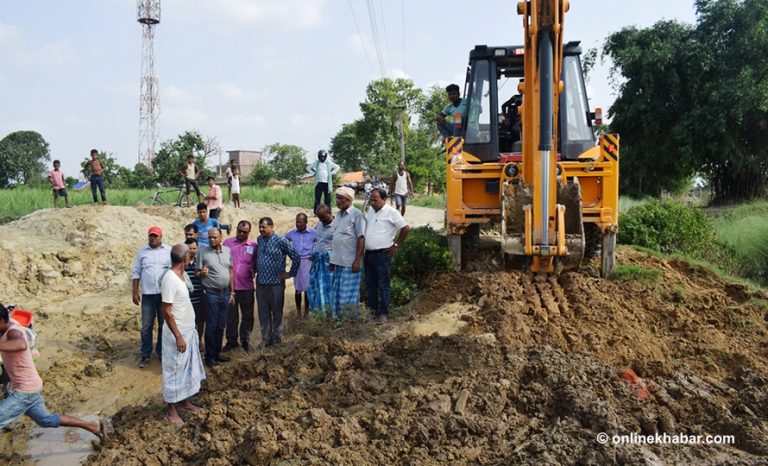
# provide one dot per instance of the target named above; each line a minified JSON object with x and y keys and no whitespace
{"x":182,"y":372}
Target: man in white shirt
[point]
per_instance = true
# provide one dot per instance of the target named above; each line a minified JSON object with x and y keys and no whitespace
{"x":152,"y":260}
{"x":182,"y":365}
{"x":381,"y":223}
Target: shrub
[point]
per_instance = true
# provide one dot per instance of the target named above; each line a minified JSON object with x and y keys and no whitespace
{"x":667,"y":226}
{"x":423,"y":254}
{"x":400,"y":292}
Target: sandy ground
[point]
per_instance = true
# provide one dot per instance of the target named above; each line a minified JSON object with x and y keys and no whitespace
{"x":488,"y":367}
{"x":72,"y":268}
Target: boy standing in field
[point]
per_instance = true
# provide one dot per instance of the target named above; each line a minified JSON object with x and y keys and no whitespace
{"x":56,"y":177}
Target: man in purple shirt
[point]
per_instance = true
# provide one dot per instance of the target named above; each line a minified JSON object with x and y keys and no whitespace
{"x":244,"y":267}
{"x":303,"y":240}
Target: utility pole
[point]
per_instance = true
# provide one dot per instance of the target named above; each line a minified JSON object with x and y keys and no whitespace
{"x":402,"y":132}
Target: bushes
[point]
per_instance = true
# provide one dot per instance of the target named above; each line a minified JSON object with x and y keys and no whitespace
{"x":423,"y":254}
{"x":667,"y":226}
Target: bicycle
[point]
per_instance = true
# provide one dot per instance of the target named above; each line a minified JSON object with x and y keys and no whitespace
{"x":158,"y":199}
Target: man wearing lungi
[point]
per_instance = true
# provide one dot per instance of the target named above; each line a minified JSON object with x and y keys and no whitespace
{"x":182,"y":365}
{"x":346,"y":255}
{"x":320,"y":275}
{"x":303,"y":239}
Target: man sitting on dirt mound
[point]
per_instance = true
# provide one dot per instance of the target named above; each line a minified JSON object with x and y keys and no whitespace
{"x":27,"y":387}
{"x":182,"y":366}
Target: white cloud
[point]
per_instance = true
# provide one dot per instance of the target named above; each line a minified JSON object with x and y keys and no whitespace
{"x":223,"y":15}
{"x":9,"y":35}
{"x":298,"y":120}
{"x":397,"y":73}
{"x":244,"y":120}
{"x":183,"y":117}
{"x":179,"y":96}
{"x":232,"y":91}
{"x":130,"y":89}
{"x":17,"y":48}
{"x":360,"y":43}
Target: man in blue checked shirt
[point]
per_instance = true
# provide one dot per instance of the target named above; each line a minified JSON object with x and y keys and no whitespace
{"x":270,"y":280}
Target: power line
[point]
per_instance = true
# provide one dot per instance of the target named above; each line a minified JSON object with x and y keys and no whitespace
{"x":360,"y":36}
{"x":402,"y":4}
{"x":386,"y":38}
{"x":375,"y":34}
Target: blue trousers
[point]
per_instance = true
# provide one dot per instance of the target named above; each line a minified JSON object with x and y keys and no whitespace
{"x":32,"y":404}
{"x":377,"y":267}
{"x":150,"y":310}
{"x":97,"y":181}
{"x":447,"y":130}
{"x":216,"y":310}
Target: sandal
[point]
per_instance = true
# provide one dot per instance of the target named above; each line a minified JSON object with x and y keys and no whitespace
{"x":102,"y":433}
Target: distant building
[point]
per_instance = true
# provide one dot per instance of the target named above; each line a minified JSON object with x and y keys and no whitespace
{"x":245,"y":159}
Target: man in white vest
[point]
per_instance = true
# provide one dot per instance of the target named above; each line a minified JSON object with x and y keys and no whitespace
{"x":401,"y":188}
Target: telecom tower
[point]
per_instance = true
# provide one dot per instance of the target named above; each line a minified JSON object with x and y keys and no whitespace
{"x":149,"y":103}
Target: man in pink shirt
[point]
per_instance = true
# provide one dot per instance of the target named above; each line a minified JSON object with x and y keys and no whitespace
{"x":56,"y":177}
{"x":214,"y":198}
{"x":26,"y":395}
{"x":244,"y":268}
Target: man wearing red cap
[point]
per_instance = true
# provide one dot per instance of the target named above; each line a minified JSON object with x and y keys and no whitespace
{"x":152,"y":261}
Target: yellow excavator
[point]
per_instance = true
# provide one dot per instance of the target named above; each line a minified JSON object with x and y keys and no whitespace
{"x":531,"y":163}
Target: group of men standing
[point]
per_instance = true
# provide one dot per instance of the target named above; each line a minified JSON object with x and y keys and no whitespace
{"x":209,"y":287}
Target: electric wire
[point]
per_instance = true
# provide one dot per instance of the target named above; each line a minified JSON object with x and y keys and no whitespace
{"x":360,"y":36}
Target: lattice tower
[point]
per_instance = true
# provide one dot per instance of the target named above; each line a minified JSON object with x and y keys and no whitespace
{"x":149,"y":100}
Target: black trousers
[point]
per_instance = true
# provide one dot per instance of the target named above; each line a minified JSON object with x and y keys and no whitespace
{"x":244,"y":300}
{"x":321,"y":189}
{"x":270,"y":299}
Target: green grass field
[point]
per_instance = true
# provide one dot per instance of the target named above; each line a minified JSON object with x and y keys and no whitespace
{"x":18,"y":202}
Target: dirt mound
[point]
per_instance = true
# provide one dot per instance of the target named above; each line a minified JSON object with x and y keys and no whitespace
{"x":538,"y":371}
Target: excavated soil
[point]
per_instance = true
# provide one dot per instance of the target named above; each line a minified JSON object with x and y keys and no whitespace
{"x":483,"y":368}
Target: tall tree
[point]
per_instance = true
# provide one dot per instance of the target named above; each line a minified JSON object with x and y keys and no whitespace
{"x":372,"y":143}
{"x":694,"y":99}
{"x":287,"y":161}
{"x":173,"y":155}
{"x":23,"y":157}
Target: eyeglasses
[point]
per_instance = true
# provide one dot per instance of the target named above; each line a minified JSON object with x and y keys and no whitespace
{"x":245,"y":232}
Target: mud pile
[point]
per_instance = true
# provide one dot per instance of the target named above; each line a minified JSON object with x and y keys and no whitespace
{"x":538,"y":371}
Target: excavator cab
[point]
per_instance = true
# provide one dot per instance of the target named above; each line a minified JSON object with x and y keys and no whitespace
{"x":491,"y":128}
{"x":527,"y":158}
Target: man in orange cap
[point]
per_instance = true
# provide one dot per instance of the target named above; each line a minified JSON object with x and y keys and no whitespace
{"x":152,"y":261}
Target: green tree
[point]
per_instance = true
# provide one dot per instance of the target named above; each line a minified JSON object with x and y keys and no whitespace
{"x":694,"y":99}
{"x":657,"y":153}
{"x":348,"y":150}
{"x":23,"y":157}
{"x":173,"y":153}
{"x":288,"y":162}
{"x":141,"y":177}
{"x":261,"y":174}
{"x":372,"y":143}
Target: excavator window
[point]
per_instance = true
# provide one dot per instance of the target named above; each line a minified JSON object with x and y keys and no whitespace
{"x":479,"y":119}
{"x":578,"y":135}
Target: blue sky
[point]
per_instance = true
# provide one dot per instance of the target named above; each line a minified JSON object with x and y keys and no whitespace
{"x":253,"y":72}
